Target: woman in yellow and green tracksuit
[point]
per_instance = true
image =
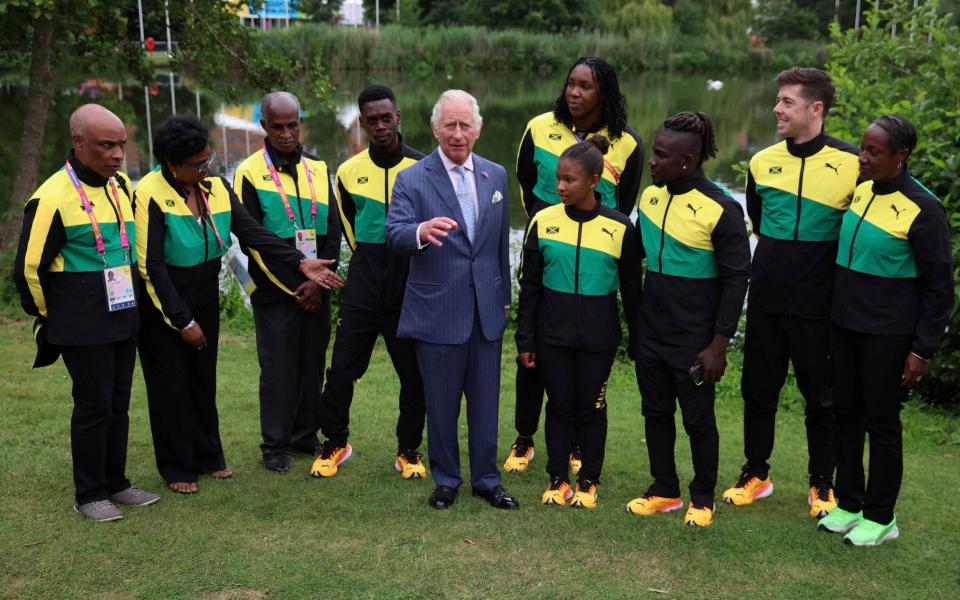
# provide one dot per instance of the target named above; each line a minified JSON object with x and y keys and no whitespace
{"x":184,"y":219}
{"x":590,"y":104}
{"x":893,"y":293}
{"x":694,"y":239}
{"x":576,"y":256}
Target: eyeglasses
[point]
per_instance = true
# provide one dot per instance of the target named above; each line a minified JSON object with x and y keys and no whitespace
{"x":203,"y":166}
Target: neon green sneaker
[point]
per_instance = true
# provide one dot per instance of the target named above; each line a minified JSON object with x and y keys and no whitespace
{"x":839,"y":521}
{"x":871,"y":533}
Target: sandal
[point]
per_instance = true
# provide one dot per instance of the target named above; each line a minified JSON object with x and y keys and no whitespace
{"x":223,"y":473}
{"x":183,"y":487}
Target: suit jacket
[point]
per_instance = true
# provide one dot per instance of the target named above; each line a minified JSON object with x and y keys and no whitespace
{"x":447,"y":284}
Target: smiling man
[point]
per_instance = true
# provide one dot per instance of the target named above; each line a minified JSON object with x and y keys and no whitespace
{"x":797,"y":193}
{"x":449,"y":215}
{"x":370,"y":305}
{"x":78,"y":240}
{"x":288,"y":192}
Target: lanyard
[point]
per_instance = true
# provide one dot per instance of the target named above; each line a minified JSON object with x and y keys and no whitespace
{"x":88,"y":208}
{"x":606,"y":163}
{"x":283,"y":193}
{"x":213,"y":223}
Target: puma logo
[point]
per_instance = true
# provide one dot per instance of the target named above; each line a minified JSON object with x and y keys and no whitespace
{"x":607,"y":231}
{"x":836,"y":169}
{"x":693,"y":210}
{"x":894,"y":208}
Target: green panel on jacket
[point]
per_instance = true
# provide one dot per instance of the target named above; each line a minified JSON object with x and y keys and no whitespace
{"x":819,"y":222}
{"x":678,"y":259}
{"x":80,"y":251}
{"x":275,"y":215}
{"x":598,"y":270}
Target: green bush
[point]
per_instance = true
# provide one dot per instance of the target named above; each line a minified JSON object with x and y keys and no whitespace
{"x":904,"y":60}
{"x":722,"y":47}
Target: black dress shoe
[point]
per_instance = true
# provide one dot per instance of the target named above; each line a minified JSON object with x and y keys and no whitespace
{"x":277,"y":463}
{"x":498,"y":498}
{"x":442,"y":497}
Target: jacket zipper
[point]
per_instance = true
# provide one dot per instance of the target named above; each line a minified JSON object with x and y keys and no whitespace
{"x":856,"y":230}
{"x":663,"y":234}
{"x":386,"y":211}
{"x":116,"y":215}
{"x":576,"y":267}
{"x":296,"y":188}
{"x":796,"y":228}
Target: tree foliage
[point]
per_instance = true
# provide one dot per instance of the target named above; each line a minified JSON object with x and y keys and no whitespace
{"x":904,"y":60}
{"x":54,"y":43}
{"x":320,"y":11}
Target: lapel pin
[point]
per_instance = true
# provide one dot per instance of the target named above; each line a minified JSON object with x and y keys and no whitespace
{"x":484,"y":173}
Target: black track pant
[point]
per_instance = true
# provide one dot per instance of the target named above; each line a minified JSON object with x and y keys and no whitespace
{"x":576,"y":383}
{"x":357,"y":331}
{"x":181,"y":393}
{"x":102,"y":376}
{"x":866,"y":371}
{"x":663,"y":375}
{"x":291,"y":347}
{"x":530,"y":389}
{"x":771,"y":341}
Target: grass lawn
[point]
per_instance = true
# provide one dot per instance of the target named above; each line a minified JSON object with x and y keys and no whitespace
{"x":368,"y":534}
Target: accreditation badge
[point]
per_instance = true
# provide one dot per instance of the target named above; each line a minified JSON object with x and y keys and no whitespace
{"x":118,"y":282}
{"x":307,"y":242}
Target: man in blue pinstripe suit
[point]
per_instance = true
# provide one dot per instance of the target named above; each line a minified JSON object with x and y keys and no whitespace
{"x":449,"y":213}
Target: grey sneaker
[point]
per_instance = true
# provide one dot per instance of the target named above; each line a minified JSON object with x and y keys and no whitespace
{"x":134,"y":496}
{"x":99,"y":510}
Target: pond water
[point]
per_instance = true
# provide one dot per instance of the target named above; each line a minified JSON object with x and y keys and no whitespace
{"x":740,"y":112}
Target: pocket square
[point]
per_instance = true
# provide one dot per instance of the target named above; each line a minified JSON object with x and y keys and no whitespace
{"x":497,"y":197}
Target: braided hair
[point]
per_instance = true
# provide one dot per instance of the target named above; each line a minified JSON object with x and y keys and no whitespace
{"x":697,"y":124}
{"x":614,"y":115}
{"x":589,"y":154}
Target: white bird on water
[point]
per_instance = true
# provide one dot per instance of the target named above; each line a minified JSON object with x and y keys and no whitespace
{"x":714,"y":85}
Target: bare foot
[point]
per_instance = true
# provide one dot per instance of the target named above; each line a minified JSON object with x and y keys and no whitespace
{"x":183,"y":487}
{"x":222,"y":474}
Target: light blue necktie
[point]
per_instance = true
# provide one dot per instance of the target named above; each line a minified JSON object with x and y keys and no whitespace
{"x":468,"y":201}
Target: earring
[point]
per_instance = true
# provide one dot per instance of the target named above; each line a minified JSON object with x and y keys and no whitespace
{"x":899,"y":165}
{"x":684,"y":167}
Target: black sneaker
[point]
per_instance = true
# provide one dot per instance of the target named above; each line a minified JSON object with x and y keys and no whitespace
{"x":276,"y":462}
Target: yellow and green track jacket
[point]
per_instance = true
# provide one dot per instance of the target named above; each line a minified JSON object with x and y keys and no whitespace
{"x":180,"y":262}
{"x":694,"y":239}
{"x":58,"y":271}
{"x":796,"y":197}
{"x":894,"y":274}
{"x":377,"y":276}
{"x":544,"y":141}
{"x":260,"y":197}
{"x":572,"y":265}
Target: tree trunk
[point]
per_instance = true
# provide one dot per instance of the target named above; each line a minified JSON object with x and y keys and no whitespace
{"x":34,"y":126}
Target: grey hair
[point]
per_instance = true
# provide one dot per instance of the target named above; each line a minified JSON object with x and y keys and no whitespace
{"x":450,"y":95}
{"x":272,"y":97}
